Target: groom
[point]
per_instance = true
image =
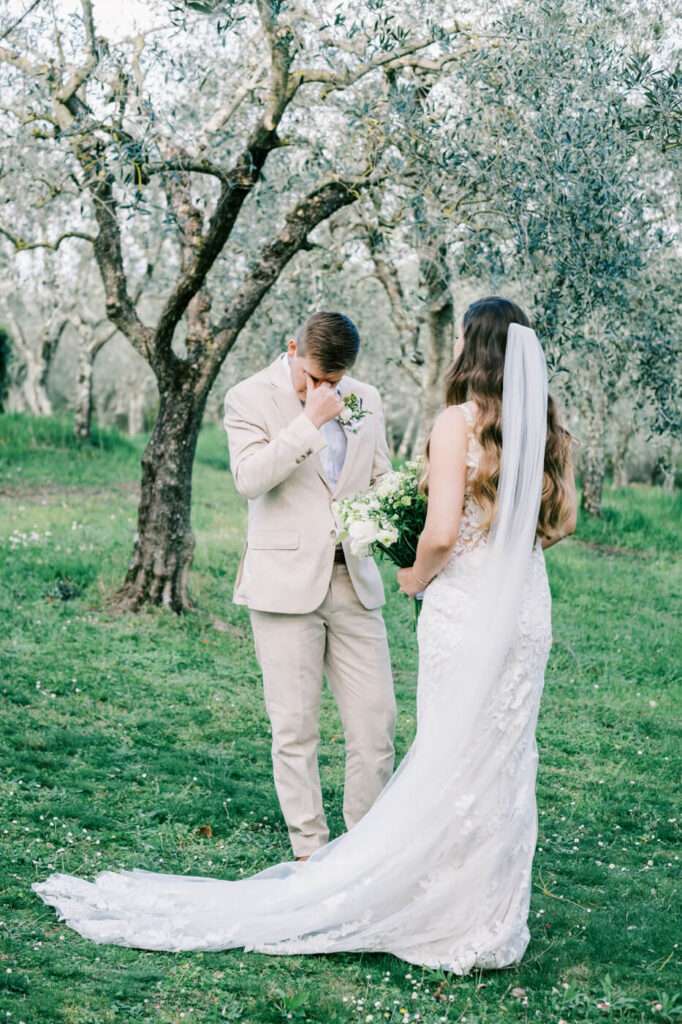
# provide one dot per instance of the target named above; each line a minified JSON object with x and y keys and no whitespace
{"x":314,"y":606}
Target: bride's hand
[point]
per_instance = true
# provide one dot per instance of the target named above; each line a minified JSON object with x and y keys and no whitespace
{"x":408,"y":583}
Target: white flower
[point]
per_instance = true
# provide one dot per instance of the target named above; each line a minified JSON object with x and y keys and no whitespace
{"x":365,"y":530}
{"x":388,"y":534}
{"x":389,"y":484}
{"x":346,"y":415}
{"x":363,"y":533}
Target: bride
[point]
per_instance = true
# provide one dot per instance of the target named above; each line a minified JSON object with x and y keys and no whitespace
{"x":439,"y":871}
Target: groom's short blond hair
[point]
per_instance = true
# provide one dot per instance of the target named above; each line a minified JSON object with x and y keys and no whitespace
{"x":331,"y":339}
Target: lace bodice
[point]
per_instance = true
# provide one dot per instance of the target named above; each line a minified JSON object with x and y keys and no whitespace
{"x":470,"y":535}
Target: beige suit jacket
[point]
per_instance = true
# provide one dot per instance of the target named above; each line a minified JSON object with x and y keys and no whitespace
{"x":289,"y":554}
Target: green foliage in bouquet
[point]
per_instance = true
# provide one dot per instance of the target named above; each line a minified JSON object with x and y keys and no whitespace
{"x":389,"y":517}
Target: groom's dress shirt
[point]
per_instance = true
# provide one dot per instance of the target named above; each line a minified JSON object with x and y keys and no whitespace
{"x":277,"y":462}
{"x":333,"y":456}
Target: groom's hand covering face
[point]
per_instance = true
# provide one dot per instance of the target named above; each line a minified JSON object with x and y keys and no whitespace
{"x":314,"y":387}
{"x":303,"y":367}
{"x":322,"y":403}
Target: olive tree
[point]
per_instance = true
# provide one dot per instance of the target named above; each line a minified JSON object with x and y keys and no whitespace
{"x":187,"y":118}
{"x":34,"y":340}
{"x":584,"y":211}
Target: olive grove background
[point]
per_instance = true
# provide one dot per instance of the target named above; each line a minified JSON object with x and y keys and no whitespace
{"x":182,"y":183}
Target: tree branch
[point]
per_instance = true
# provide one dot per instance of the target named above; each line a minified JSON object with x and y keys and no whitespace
{"x":50,"y":337}
{"x":402,"y":57}
{"x":279,"y":41}
{"x":182,"y":164}
{"x":237,"y":184}
{"x":224,"y":113}
{"x":19,"y":19}
{"x":85,"y":331}
{"x":23,"y":63}
{"x":89,"y":23}
{"x":316,"y":207}
{"x":66,"y":96}
{"x":107,"y":245}
{"x":190,"y":223}
{"x":22,"y":245}
{"x":30,"y":117}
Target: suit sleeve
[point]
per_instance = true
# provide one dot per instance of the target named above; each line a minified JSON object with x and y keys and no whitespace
{"x":259,"y":462}
{"x":382,"y":459}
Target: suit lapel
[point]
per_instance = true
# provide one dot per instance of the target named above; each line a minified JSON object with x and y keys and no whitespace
{"x":286,"y":399}
{"x":289,"y":405}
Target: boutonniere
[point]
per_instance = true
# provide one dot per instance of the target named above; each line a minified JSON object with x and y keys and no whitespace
{"x":352,"y":413}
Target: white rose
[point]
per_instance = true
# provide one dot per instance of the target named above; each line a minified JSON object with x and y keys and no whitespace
{"x":346,"y":415}
{"x":363,"y":534}
{"x":363,"y":530}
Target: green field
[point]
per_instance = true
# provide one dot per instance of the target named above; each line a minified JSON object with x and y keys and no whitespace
{"x":123,"y":737}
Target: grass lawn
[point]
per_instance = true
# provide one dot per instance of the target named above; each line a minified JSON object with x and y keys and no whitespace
{"x":142,"y":741}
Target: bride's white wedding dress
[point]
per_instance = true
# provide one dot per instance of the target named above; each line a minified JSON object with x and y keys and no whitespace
{"x":439,"y":871}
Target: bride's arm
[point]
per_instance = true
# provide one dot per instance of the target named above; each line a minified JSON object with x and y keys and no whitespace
{"x":447,"y":477}
{"x":570,"y":524}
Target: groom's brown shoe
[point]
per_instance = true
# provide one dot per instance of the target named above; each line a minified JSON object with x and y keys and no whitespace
{"x":302,"y":858}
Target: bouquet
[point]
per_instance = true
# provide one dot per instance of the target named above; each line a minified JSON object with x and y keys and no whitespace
{"x":388,"y":518}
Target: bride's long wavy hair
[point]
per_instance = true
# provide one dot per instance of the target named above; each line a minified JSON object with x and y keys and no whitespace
{"x":477,"y":374}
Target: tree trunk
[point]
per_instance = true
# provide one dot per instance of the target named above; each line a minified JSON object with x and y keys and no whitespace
{"x":592,"y":464}
{"x":82,"y":421}
{"x":5,"y":351}
{"x":668,"y":463}
{"x":88,"y":349}
{"x":592,"y":459}
{"x":27,"y":391}
{"x":164,"y":542}
{"x":620,"y":470}
{"x":30,"y":372}
{"x":406,"y":448}
{"x":436,"y":276}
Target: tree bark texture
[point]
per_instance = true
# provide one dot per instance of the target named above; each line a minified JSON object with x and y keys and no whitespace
{"x":619,"y":457}
{"x":29,"y":370}
{"x":27,"y":392}
{"x":440,"y":321}
{"x":88,"y":349}
{"x":592,"y":463}
{"x":592,"y":456}
{"x":82,"y":420}
{"x":164,"y":543}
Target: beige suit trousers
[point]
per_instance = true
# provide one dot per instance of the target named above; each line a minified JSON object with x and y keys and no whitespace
{"x":346,"y":642}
